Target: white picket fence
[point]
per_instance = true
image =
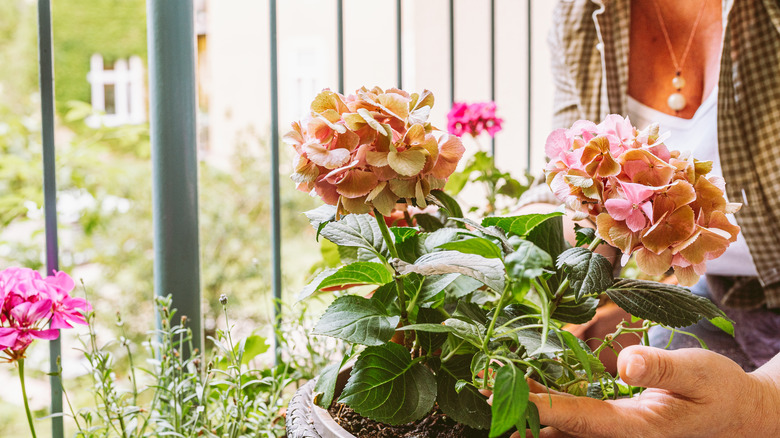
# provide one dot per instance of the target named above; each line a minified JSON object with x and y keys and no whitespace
{"x":127,"y":80}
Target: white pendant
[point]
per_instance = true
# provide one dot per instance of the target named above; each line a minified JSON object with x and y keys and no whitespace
{"x":676,"y":101}
{"x":678,"y":82}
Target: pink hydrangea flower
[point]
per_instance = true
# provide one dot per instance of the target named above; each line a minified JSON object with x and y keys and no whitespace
{"x":645,"y":199}
{"x":371,"y":149}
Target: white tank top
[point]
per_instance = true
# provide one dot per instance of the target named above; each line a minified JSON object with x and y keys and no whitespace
{"x":699,"y":136}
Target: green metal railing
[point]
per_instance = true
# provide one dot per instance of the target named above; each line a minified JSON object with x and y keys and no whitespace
{"x":172,"y":112}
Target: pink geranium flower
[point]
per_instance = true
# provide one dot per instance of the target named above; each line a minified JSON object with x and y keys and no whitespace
{"x":29,"y":303}
{"x":473,"y":119}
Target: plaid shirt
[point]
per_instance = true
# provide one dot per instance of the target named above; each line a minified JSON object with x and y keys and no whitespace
{"x":589,"y":51}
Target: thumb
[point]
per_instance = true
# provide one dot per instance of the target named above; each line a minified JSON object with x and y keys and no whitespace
{"x":680,"y":371}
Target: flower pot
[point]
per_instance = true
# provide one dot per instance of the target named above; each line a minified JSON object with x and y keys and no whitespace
{"x":307,"y":420}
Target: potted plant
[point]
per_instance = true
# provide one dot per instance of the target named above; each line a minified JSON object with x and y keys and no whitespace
{"x":463,"y":306}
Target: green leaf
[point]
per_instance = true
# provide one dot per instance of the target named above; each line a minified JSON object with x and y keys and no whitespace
{"x":471,"y":312}
{"x":532,"y":419}
{"x":576,"y":312}
{"x":402,"y":234}
{"x":488,"y":271}
{"x":528,"y":261}
{"x":582,"y":357}
{"x":356,"y":274}
{"x":667,"y":304}
{"x":510,"y":397}
{"x":491,"y":231}
{"x":314,"y":285}
{"x":320,"y":216}
{"x":357,"y":230}
{"x":359,"y":320}
{"x":325,"y":387}
{"x":428,"y":341}
{"x":407,"y":244}
{"x":447,"y":202}
{"x":549,"y":236}
{"x":252,"y":346}
{"x":461,"y":287}
{"x":584,"y":235}
{"x":435,"y":284}
{"x":471,"y":333}
{"x":475,"y":245}
{"x":466,"y":406}
{"x":430,"y":241}
{"x":588,"y":272}
{"x":519,"y":225}
{"x":428,"y":222}
{"x":387,"y":386}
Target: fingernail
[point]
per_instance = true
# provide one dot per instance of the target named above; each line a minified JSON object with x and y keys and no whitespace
{"x":636,"y":366}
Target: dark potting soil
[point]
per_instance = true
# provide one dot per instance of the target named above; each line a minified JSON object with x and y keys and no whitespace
{"x":434,"y":425}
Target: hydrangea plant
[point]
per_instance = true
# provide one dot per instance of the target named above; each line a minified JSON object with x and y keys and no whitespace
{"x":480,"y":305}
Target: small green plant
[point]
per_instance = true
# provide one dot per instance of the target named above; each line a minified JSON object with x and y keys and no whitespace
{"x":175,"y":391}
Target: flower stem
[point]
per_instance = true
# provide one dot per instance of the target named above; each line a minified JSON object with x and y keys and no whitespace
{"x":399,"y":281}
{"x":24,"y":396}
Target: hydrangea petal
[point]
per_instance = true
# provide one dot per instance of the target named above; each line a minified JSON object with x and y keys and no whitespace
{"x":356,"y":183}
{"x":407,"y":163}
{"x":652,"y":263}
{"x":669,"y":230}
{"x":450,"y":152}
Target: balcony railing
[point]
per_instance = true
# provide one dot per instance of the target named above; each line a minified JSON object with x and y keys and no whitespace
{"x":173,"y":137}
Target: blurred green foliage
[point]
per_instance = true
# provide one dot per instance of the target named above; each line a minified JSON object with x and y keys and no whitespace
{"x":115,"y":29}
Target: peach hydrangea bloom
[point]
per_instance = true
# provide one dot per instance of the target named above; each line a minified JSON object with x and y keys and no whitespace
{"x":370,"y":149}
{"x":646,"y":200}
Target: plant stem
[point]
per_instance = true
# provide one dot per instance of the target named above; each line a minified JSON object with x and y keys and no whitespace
{"x":489,"y":332}
{"x":544,"y":306}
{"x":24,"y":396}
{"x":399,"y":281}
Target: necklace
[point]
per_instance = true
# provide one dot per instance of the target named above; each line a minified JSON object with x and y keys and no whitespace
{"x":676,"y":100}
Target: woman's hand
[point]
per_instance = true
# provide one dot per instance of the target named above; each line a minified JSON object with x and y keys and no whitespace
{"x":691,"y":393}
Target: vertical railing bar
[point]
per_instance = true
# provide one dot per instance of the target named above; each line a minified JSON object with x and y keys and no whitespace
{"x":493,"y":68}
{"x":399,"y":49}
{"x":452,"y":52}
{"x":529,"y":90}
{"x":172,"y":128}
{"x":46,"y":78}
{"x":340,"y":42}
{"x":276,"y":257}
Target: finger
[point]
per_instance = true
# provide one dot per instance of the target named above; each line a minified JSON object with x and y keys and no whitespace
{"x":537,"y":387}
{"x":550,"y":432}
{"x":681,"y":371}
{"x":581,"y":416}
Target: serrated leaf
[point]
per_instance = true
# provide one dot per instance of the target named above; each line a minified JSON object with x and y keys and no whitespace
{"x":475,"y":245}
{"x":519,"y":225}
{"x":528,"y":261}
{"x":574,"y":312}
{"x":386,"y":386}
{"x":358,"y":273}
{"x":489,"y":271}
{"x":510,"y":397}
{"x":588,"y":272}
{"x":667,"y":304}
{"x":465,"y":405}
{"x":359,"y":320}
{"x":584,"y":235}
{"x":429,"y":242}
{"x":447,"y":202}
{"x":357,"y":230}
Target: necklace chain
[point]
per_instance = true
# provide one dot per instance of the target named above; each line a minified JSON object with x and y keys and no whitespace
{"x":678,"y":67}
